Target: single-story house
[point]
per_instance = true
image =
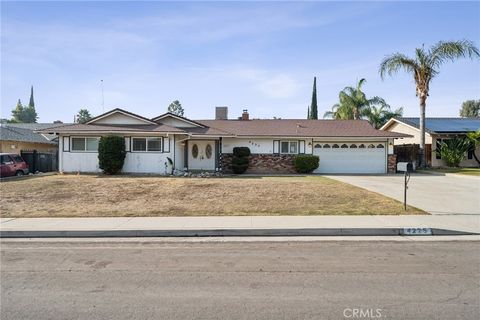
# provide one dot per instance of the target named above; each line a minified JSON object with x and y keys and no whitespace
{"x":436,"y":129}
{"x":16,"y":137}
{"x":344,"y":146}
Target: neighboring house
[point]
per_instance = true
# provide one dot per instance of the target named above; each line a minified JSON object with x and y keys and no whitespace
{"x":344,"y":146}
{"x":15,"y":137}
{"x":436,"y":129}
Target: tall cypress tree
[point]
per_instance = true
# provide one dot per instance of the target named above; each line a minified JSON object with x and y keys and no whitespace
{"x":31,"y":104}
{"x":313,"y":106}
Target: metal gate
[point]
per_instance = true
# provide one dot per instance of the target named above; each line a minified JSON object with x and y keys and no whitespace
{"x":409,"y":153}
{"x":40,"y":161}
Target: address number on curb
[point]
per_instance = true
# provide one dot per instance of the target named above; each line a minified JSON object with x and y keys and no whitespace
{"x":417,"y":231}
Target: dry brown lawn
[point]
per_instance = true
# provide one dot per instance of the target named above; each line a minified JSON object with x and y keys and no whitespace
{"x":93,"y":196}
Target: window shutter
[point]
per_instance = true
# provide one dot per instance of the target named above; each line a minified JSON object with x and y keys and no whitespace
{"x":166,"y":144}
{"x":66,"y":144}
{"x":301,"y":148}
{"x":127,"y":144}
{"x":276,"y":146}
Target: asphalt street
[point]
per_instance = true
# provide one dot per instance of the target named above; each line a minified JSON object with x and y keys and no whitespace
{"x":240,"y":280}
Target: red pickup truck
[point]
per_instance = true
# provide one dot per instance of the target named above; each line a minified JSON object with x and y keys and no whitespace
{"x":12,"y":164}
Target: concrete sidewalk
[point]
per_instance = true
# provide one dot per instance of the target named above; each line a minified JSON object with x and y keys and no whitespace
{"x":235,"y":226}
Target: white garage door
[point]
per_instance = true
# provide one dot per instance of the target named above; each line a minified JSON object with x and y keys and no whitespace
{"x":348,"y":157}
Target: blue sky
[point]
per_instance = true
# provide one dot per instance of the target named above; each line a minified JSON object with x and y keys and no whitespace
{"x":260,"y":56}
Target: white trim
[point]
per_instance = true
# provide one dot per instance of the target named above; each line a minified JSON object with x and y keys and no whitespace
{"x":163,"y":116}
{"x":119,"y":111}
{"x":389,"y":123}
{"x":160,"y":133}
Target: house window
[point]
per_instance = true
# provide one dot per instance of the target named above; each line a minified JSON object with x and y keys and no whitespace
{"x":208,"y":151}
{"x":85,"y":144}
{"x":154,"y":144}
{"x":317,"y":146}
{"x":147,"y":144}
{"x":380,"y":146}
{"x":289,"y":147}
{"x":353,"y":146}
{"x":371,"y":146}
{"x":361,"y":146}
{"x":195,"y":151}
{"x":335,"y":146}
{"x":344,"y":146}
{"x":327,"y":146}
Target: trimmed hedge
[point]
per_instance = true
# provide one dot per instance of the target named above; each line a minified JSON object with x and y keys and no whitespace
{"x":111,"y":154}
{"x":305,"y":163}
{"x":240,"y":159}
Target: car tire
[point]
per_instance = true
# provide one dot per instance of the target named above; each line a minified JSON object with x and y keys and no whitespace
{"x":19,"y":173}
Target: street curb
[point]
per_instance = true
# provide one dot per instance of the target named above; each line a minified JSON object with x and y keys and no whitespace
{"x":226,"y":233}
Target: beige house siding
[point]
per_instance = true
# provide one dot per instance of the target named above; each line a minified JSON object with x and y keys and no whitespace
{"x":403,"y":128}
{"x":16,"y":146}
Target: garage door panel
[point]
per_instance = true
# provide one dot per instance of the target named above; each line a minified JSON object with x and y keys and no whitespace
{"x":351,"y":160}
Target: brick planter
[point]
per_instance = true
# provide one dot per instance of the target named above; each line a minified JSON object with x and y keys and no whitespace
{"x":261,"y":163}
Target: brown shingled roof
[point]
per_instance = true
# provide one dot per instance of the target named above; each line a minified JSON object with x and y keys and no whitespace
{"x":300,"y":128}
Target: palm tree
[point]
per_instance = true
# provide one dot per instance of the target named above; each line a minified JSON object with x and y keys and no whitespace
{"x":424,"y":67}
{"x":340,"y":112}
{"x":378,"y":116}
{"x":353,"y":103}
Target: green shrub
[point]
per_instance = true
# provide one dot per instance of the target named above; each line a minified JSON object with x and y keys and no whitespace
{"x":241,"y":152}
{"x":111,"y":154}
{"x":305,"y":163}
{"x":452,"y":151}
{"x":240,"y":159}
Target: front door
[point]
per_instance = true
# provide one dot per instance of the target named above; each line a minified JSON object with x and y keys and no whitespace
{"x":201,"y":155}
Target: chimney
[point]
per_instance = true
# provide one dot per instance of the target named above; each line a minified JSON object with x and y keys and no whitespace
{"x":221,"y":113}
{"x":245,"y":115}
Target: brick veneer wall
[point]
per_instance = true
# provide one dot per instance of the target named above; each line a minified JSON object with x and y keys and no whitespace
{"x":261,"y":163}
{"x":392,"y":163}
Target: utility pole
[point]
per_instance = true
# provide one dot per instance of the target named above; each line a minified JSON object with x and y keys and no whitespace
{"x":103,"y":99}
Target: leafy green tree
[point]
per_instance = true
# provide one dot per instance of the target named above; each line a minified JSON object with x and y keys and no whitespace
{"x":452,"y":151}
{"x":31,"y":103}
{"x":22,"y":114}
{"x":424,"y":67}
{"x":470,"y":109}
{"x":111,"y":154}
{"x":176,"y":108}
{"x":17,"y":113}
{"x":313,"y":111}
{"x":83,"y":116}
{"x":353,"y":103}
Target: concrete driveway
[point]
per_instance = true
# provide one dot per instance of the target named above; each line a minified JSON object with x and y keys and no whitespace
{"x":436,"y":194}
